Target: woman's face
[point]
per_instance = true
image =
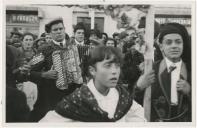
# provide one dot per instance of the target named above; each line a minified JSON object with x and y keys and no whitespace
{"x":27,"y":42}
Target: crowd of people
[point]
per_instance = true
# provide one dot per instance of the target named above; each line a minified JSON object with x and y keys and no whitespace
{"x":105,"y":76}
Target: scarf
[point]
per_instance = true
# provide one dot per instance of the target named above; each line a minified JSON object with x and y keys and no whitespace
{"x":82,"y":106}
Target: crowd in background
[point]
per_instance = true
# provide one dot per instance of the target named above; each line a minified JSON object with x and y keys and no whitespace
{"x":31,"y":90}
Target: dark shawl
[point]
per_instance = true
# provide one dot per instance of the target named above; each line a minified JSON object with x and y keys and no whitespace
{"x":82,"y":106}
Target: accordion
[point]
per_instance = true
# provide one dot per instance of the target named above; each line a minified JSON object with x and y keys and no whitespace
{"x":36,"y":59}
{"x":66,"y":63}
{"x":84,"y":50}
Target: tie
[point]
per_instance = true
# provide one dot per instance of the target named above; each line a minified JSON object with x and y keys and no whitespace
{"x":61,"y":44}
{"x":174,"y":95}
{"x":171,"y":68}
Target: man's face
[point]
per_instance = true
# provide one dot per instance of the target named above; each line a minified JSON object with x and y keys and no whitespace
{"x":131,"y":34}
{"x":110,"y":43}
{"x":172,"y":46}
{"x":93,"y":36}
{"x":79,"y":35}
{"x":126,"y":39}
{"x":104,"y":37}
{"x":107,"y":73}
{"x":58,"y":32}
{"x":15,"y":38}
{"x":48,"y":38}
{"x":117,"y":39}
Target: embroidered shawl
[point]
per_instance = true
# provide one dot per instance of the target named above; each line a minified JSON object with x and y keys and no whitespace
{"x":82,"y":106}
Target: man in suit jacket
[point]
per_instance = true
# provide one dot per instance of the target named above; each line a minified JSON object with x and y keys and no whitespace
{"x":48,"y":93}
{"x":171,"y":93}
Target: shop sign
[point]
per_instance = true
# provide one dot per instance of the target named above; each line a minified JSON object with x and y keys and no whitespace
{"x":183,"y":21}
{"x":22,"y":18}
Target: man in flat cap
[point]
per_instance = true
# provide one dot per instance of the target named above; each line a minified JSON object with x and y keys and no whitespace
{"x":49,"y":91}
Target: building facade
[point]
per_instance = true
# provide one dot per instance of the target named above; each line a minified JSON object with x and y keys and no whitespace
{"x":33,"y":18}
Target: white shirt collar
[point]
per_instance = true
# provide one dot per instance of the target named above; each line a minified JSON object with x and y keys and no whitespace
{"x":58,"y":43}
{"x":95,"y":92}
{"x":107,"y":103}
{"x":170,"y":63}
{"x":79,"y":43}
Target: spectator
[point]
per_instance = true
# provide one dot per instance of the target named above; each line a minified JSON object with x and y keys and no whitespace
{"x":102,"y":100}
{"x":27,"y":46}
{"x":170,"y":78}
{"x":15,"y":39}
{"x":104,"y":37}
{"x":46,"y":75}
{"x":111,"y":42}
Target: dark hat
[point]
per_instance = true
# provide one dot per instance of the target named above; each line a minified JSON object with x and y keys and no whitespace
{"x":54,"y":21}
{"x":122,"y":35}
{"x":169,"y":29}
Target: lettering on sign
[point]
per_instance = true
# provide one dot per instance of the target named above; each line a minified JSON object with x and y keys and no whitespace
{"x":21,"y":18}
{"x":183,"y":21}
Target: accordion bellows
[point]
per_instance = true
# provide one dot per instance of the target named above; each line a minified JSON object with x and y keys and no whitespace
{"x":36,"y":59}
{"x":66,"y":63}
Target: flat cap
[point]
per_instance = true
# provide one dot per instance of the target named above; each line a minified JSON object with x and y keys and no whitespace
{"x":52,"y":22}
{"x":122,"y":35}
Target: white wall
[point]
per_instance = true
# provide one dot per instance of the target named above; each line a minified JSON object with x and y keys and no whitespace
{"x":52,"y":12}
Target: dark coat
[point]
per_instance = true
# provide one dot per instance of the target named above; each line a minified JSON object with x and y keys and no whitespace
{"x":161,"y":108}
{"x":13,"y":62}
{"x":17,"y":109}
{"x":48,"y":94}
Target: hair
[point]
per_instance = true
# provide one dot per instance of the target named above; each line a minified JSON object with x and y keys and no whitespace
{"x":48,"y":26}
{"x":96,"y":32}
{"x":28,"y":33}
{"x":182,"y":31}
{"x":105,"y":34}
{"x":115,"y":34}
{"x":15,"y":33}
{"x":43,"y":34}
{"x":102,"y":52}
{"x":115,"y":43}
{"x":79,"y":25}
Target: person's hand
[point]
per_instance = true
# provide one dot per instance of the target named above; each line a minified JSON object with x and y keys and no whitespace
{"x":51,"y":74}
{"x":141,"y":66}
{"x":25,"y":69}
{"x":146,"y":80}
{"x":183,"y":86}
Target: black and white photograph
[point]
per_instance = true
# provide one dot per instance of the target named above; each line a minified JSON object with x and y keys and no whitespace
{"x":102,"y":62}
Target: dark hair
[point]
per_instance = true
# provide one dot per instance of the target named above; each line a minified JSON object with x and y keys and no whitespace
{"x":179,"y":29}
{"x":105,"y":35}
{"x":15,"y":33}
{"x":115,"y":34}
{"x":56,"y":21}
{"x":96,"y":32}
{"x":115,"y":43}
{"x":79,"y":25}
{"x":102,"y":52}
{"x":28,"y":33}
